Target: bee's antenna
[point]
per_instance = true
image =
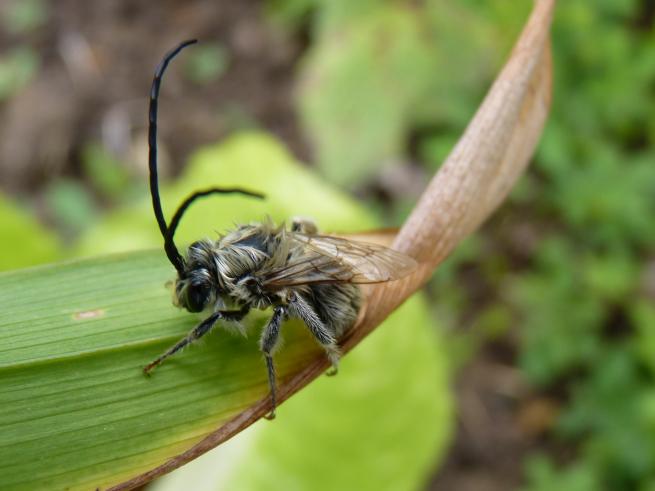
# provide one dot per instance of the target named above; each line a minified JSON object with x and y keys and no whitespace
{"x":169,"y":244}
{"x":168,"y":232}
{"x":172,"y":253}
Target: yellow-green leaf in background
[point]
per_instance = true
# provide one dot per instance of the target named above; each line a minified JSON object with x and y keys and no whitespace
{"x":23,"y":241}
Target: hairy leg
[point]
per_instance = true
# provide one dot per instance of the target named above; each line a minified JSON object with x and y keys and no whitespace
{"x":300,"y":308}
{"x":304,"y":225}
{"x":269,"y":339}
{"x":196,"y":333}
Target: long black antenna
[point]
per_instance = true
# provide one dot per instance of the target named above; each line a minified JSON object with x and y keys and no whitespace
{"x":169,"y":245}
{"x":152,"y":132}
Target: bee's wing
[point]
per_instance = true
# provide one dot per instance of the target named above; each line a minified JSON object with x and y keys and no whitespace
{"x":383,"y":236}
{"x":328,"y":259}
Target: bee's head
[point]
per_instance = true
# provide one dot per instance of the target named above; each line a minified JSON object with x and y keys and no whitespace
{"x":193,"y":287}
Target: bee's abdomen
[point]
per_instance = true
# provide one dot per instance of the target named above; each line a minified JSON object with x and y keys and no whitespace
{"x":337,"y":305}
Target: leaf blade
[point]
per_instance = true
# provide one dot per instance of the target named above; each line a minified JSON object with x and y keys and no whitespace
{"x":86,"y":408}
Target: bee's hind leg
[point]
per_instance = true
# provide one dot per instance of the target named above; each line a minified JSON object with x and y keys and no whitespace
{"x":302,"y":309}
{"x":267,"y":343}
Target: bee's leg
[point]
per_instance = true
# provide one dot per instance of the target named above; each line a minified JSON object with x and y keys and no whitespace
{"x":302,"y":309}
{"x":270,"y":336}
{"x":304,"y":225}
{"x":199,"y":331}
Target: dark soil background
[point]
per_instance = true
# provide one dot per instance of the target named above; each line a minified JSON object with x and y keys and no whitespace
{"x":97,"y":60}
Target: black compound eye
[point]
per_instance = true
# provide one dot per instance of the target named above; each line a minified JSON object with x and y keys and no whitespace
{"x":196,"y":297}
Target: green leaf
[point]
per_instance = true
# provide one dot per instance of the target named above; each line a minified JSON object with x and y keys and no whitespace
{"x":543,"y":476}
{"x":356,"y":104}
{"x":74,"y":337}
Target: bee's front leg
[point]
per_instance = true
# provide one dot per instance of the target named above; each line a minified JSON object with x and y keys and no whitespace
{"x":196,"y":333}
{"x":267,"y":343}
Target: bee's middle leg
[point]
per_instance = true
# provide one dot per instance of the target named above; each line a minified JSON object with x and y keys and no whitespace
{"x":267,"y":343}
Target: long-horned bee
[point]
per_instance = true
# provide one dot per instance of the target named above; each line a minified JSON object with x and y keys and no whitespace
{"x":296,"y":272}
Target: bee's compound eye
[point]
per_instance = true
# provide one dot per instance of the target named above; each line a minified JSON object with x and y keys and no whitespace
{"x":195,"y":245}
{"x":196,"y":297}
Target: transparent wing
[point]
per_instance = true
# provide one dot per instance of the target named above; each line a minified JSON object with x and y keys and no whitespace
{"x":328,"y":259}
{"x":380,"y":236}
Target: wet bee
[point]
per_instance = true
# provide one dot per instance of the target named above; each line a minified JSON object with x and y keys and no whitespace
{"x":296,"y":272}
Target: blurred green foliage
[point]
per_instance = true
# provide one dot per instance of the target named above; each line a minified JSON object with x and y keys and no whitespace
{"x":17,"y":67}
{"x":207,"y":63}
{"x":107,"y":176}
{"x":378,"y":72}
{"x":71,"y":206}
{"x":20,"y":16}
{"x":585,"y":305}
{"x":254,"y":160}
{"x":23,"y":241}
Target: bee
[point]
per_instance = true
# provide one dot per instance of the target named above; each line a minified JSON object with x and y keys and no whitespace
{"x":296,"y":272}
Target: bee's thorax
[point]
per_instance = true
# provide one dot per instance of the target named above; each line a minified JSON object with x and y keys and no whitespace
{"x":232,"y":266}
